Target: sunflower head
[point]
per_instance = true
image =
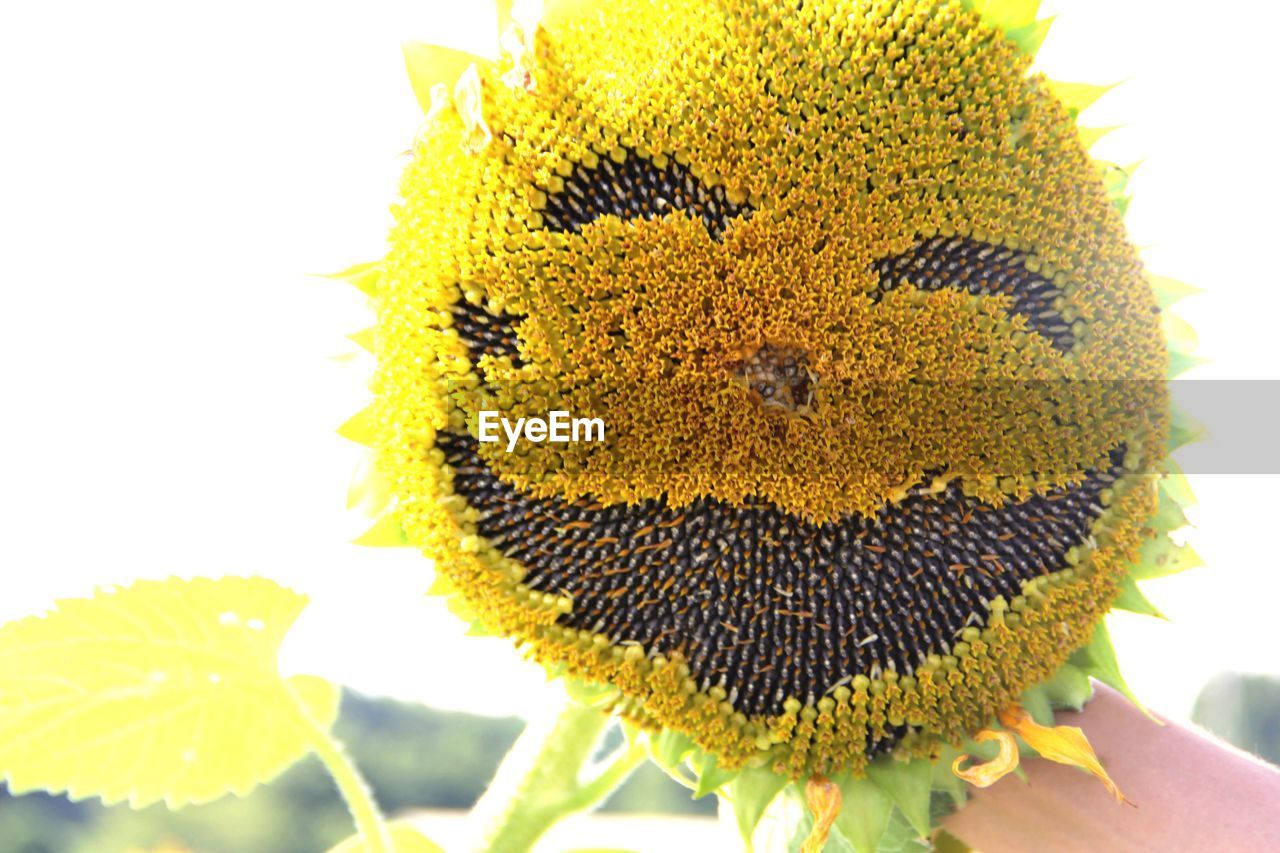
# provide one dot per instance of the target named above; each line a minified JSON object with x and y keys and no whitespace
{"x":878,"y":368}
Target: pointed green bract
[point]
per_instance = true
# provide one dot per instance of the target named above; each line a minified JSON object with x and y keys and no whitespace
{"x":370,"y":490}
{"x":1089,"y":136}
{"x":711,"y":777}
{"x":1181,"y":362}
{"x":590,"y":694}
{"x":908,"y":785}
{"x":864,"y":813}
{"x":1006,"y":14}
{"x":1173,"y":483}
{"x":360,"y":427}
{"x":1078,"y":96}
{"x":1184,"y":429}
{"x":430,"y":65}
{"x":1116,"y":177}
{"x":1179,"y":333}
{"x":1170,"y":290}
{"x":751,"y":793}
{"x":1133,"y":599}
{"x":1098,"y":659}
{"x":1169,"y":515}
{"x":364,"y":338}
{"x":166,"y":690}
{"x":364,"y":277}
{"x":1161,"y":557}
{"x":1029,"y":38}
{"x":386,"y":532}
{"x":669,"y":748}
{"x":503,"y":10}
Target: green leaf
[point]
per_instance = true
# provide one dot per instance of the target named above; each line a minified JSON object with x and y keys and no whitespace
{"x":901,"y":837}
{"x":751,"y":793}
{"x":404,"y":839}
{"x":907,"y":783}
{"x":710,"y":776}
{"x":864,"y":813}
{"x":167,"y":690}
{"x":1170,"y":290}
{"x":1069,"y":688}
{"x":1134,"y":600}
{"x":1161,"y":557}
{"x":430,"y":65}
{"x":364,"y":277}
{"x":945,"y":780}
{"x":1098,"y":659}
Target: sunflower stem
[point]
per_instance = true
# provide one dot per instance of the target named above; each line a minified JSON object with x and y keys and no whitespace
{"x":375,"y":835}
{"x":541,"y":779}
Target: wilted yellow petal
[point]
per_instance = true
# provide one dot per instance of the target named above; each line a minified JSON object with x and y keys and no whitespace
{"x":983,"y":775}
{"x":469,"y":101}
{"x":823,"y":797}
{"x":1063,"y":744}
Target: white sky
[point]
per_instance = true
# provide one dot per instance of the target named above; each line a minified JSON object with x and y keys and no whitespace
{"x":169,"y":173}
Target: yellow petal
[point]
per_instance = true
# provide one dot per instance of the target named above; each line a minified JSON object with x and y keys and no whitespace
{"x":1063,"y":744}
{"x":823,"y":797}
{"x":984,"y":775}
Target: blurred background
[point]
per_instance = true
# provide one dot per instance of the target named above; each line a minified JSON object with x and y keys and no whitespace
{"x":172,"y":172}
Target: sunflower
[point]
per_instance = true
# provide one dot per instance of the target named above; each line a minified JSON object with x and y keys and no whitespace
{"x":881,"y":376}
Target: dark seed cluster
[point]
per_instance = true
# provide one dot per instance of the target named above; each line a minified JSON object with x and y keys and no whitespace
{"x":637,"y":188}
{"x":485,"y":333}
{"x":982,"y":269}
{"x":766,"y":605}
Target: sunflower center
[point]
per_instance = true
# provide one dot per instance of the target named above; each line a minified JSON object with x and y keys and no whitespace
{"x":767,"y":605}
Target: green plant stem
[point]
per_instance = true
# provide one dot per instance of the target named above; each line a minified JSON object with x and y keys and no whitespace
{"x":375,"y":836}
{"x":540,"y":780}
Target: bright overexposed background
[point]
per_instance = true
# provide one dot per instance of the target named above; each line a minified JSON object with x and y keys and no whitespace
{"x":171,"y":172}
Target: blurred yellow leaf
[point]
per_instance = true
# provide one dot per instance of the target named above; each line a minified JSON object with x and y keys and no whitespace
{"x":404,"y":839}
{"x":166,"y":690}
